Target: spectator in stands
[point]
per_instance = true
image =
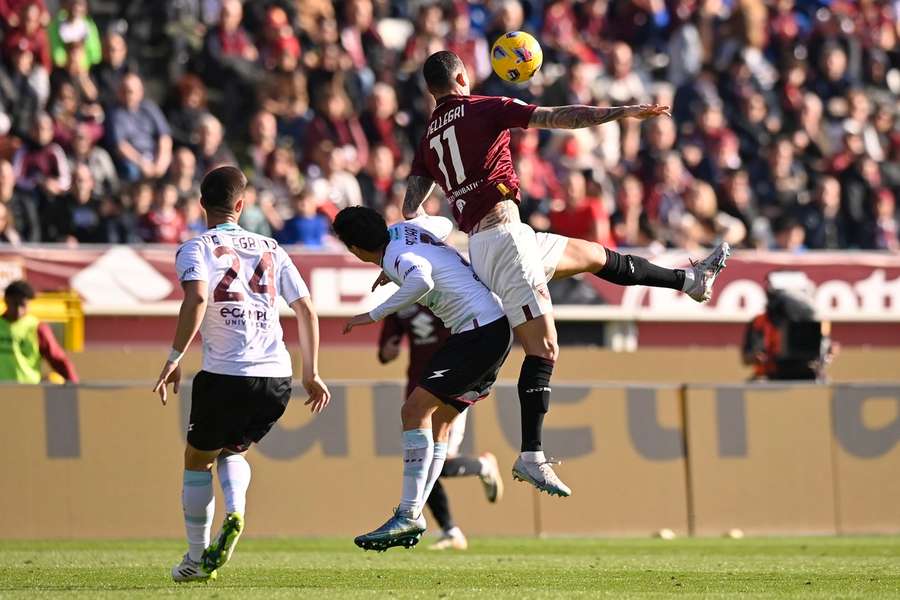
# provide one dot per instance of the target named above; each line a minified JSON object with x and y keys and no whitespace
{"x":336,"y":123}
{"x":362,"y":42}
{"x":29,"y":34}
{"x":284,"y":93}
{"x":11,"y":12}
{"x":263,"y":139}
{"x":189,"y":108}
{"x":140,"y":133}
{"x":331,"y":179}
{"x":630,"y":225}
{"x":470,"y":46}
{"x":113,"y":66}
{"x":24,"y":86}
{"x":98,"y":160}
{"x":183,"y":174}
{"x":703,"y":224}
{"x":376,"y":180}
{"x":194,"y":218}
{"x":307,"y":227}
{"x":788,"y":234}
{"x":163,"y":223}
{"x":21,"y":208}
{"x":283,"y":179}
{"x":27,"y":340}
{"x":780,"y":181}
{"x":73,"y":26}
{"x":623,"y":85}
{"x":825,"y":225}
{"x":884,"y":230}
{"x":253,"y":218}
{"x":382,"y":121}
{"x":212,"y":151}
{"x":69,"y":116}
{"x":277,"y":38}
{"x":231,"y":60}
{"x":40,"y":165}
{"x":577,"y":215}
{"x":75,"y":217}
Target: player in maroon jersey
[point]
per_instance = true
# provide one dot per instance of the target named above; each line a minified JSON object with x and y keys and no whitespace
{"x":465,"y":150}
{"x":426,"y":334}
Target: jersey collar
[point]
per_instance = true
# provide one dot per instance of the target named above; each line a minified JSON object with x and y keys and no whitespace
{"x":227,"y":227}
{"x":448,"y":98}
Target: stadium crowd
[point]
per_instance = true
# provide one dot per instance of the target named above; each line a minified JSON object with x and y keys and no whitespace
{"x":784,"y":132}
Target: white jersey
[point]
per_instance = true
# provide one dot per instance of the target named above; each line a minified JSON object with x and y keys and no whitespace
{"x":244,"y":272}
{"x":436,"y":276}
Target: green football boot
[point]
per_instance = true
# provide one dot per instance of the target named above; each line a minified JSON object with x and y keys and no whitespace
{"x":221,"y":548}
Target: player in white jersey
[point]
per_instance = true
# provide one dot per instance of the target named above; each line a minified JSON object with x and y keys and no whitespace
{"x":231,"y":279}
{"x":414,"y":256}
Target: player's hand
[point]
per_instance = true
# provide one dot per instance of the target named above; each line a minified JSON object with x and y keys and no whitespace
{"x":648,"y":111}
{"x":391,"y":349}
{"x":171,"y":373}
{"x":383,"y":279}
{"x":319,"y":396}
{"x":363,"y":319}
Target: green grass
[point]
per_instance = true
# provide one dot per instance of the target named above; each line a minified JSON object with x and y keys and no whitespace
{"x":850,"y":567}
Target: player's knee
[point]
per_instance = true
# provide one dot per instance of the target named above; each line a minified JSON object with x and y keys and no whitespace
{"x":415,"y":409}
{"x":197,"y":460}
{"x":550,"y":349}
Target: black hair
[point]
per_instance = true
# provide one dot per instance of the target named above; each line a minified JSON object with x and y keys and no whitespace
{"x":222,"y":188}
{"x":440,"y":69}
{"x":362,"y":227}
{"x":19,"y":290}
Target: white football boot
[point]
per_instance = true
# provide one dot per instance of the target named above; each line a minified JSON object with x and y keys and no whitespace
{"x":706,"y":271}
{"x":541,"y":476}
{"x":189,"y":570}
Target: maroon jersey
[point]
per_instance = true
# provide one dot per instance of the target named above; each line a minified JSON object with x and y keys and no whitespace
{"x":466,"y":151}
{"x":426,"y":335}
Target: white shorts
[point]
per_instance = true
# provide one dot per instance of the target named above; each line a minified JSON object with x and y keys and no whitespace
{"x":516,"y":263}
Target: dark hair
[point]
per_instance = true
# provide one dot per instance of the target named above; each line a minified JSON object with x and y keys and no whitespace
{"x":221,"y":188}
{"x":19,"y":290}
{"x":440,"y":68}
{"x":362,"y":227}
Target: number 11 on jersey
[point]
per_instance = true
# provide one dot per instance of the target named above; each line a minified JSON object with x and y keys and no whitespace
{"x":450,"y":136}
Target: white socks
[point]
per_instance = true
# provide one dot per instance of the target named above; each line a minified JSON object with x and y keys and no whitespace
{"x":437,"y":465}
{"x":199,"y":506}
{"x":533,"y":457}
{"x":234,"y":477}
{"x":418,"y":451}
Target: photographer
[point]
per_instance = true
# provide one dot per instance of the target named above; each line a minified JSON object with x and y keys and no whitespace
{"x":787,"y":342}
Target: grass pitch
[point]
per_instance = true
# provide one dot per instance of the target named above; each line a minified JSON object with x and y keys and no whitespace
{"x":851,"y":567}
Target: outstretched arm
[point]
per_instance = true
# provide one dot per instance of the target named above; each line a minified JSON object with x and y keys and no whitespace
{"x":417,"y":191}
{"x":578,"y":116}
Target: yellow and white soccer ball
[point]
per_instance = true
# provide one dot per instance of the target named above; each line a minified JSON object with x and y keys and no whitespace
{"x":516,"y":56}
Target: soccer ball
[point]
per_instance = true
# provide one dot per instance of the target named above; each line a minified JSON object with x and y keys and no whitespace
{"x":516,"y":56}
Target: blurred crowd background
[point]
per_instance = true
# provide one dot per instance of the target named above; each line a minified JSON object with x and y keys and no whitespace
{"x":784,"y":132}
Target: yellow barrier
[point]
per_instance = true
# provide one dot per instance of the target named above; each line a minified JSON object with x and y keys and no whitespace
{"x":94,"y":461}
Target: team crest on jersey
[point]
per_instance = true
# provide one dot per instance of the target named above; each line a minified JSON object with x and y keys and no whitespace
{"x":513,"y":74}
{"x":522,"y":54}
{"x":499,"y":53}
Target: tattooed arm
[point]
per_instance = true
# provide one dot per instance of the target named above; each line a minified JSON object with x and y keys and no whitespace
{"x":578,"y":116}
{"x":417,"y":190}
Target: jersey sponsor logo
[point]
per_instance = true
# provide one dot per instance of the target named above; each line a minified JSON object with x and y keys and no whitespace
{"x":422,"y":326}
{"x":237,"y":316}
{"x":438,"y":374}
{"x":460,"y":205}
{"x":409,"y":270}
{"x":464,"y":190}
{"x":189,"y":270}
